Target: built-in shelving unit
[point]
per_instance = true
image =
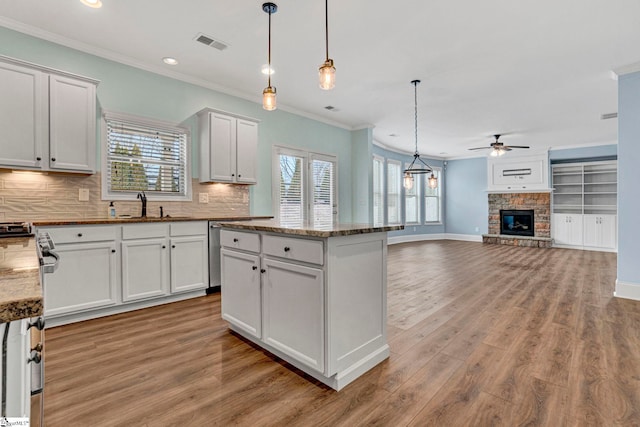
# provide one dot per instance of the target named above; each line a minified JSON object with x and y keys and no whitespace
{"x":585,"y":188}
{"x":584,"y":205}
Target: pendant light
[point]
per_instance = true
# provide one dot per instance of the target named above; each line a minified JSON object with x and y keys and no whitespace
{"x":269,"y":93}
{"x":327,"y":72}
{"x":418,"y":166}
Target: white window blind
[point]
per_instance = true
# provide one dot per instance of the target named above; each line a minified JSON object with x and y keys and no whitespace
{"x":144,"y":157}
{"x":291,"y":203}
{"x":412,"y":203}
{"x":432,"y":202}
{"x":306,"y":190}
{"x":393,"y":192}
{"x":378,"y":190}
{"x":324,"y":194}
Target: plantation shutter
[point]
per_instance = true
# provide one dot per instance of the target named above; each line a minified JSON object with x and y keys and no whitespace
{"x":143,"y":157}
{"x":290,"y":190}
{"x":324,"y":192}
{"x":378,"y":188}
{"x":393,"y":192}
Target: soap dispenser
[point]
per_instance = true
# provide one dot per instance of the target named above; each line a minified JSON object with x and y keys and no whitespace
{"x":112,"y":210}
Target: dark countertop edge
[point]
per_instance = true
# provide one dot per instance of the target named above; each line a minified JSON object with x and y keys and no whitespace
{"x":363,"y":229}
{"x":45,"y":223}
{"x":21,"y":309}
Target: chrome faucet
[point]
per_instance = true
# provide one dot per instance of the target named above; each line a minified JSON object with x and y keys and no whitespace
{"x":143,"y":199}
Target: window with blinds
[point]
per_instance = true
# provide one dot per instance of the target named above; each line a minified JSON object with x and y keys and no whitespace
{"x":432,"y":204}
{"x":378,"y":190}
{"x":144,"y":155}
{"x":394,"y":211}
{"x":306,"y":188}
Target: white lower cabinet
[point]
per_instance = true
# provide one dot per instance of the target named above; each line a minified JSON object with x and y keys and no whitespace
{"x":600,"y":231}
{"x":567,"y":229}
{"x":293,"y":299}
{"x":113,"y":268}
{"x":86,"y":278}
{"x":240,"y":279}
{"x":318,"y":303}
{"x":145,"y":269}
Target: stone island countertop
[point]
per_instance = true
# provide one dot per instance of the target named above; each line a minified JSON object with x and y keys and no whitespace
{"x":338,"y":229}
{"x":128,"y":220}
{"x":20,"y":288}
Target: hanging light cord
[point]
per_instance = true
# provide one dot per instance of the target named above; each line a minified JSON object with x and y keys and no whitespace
{"x":326,"y":26}
{"x":269,"y":50}
{"x":416,"y":155}
{"x":415,"y":103}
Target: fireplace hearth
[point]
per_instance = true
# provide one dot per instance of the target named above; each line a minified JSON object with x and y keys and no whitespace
{"x":517,"y":222}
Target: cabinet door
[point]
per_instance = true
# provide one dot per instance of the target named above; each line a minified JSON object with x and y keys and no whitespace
{"x":189,"y":263}
{"x":247,"y":146}
{"x":145,"y":269}
{"x":567,"y":229}
{"x":23,"y":116}
{"x":72,"y":124}
{"x":608,"y":232}
{"x":85,"y":279}
{"x":222,"y":147}
{"x":240,"y":289}
{"x":592,"y":230}
{"x":293,"y":302}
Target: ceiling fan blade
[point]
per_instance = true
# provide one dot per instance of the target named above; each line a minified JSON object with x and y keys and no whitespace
{"x":505,"y":148}
{"x":518,"y":146}
{"x":480,"y":148}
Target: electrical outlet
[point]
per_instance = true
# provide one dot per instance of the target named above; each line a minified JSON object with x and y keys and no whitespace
{"x":83,"y":194}
{"x":203,"y":197}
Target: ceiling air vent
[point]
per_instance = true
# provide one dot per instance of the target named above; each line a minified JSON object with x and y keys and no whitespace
{"x":608,"y":116}
{"x":210,"y":41}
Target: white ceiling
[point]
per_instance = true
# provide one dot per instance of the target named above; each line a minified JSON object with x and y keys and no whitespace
{"x":538,"y":72}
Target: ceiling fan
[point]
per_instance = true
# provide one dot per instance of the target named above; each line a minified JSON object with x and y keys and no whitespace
{"x":498,"y":148}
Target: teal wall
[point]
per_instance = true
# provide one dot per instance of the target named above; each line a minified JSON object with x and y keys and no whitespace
{"x":131,"y":90}
{"x":628,"y":179}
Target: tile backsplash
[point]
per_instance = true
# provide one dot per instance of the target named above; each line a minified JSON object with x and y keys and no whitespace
{"x":28,"y":196}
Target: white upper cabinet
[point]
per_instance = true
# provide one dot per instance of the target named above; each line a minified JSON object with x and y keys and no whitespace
{"x":228,"y":147}
{"x":518,"y":173}
{"x":47,"y":117}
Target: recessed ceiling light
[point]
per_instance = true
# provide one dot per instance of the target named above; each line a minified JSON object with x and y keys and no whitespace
{"x":169,"y":60}
{"x":96,"y":4}
{"x":267,"y":70}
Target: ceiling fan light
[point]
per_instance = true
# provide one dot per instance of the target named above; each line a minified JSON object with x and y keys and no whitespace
{"x":327,"y":75}
{"x":408,"y":181}
{"x":269,"y":98}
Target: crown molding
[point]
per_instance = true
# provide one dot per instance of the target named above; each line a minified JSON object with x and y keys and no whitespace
{"x":627,"y":69}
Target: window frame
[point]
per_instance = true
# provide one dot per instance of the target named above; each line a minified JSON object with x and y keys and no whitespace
{"x":438,"y":197}
{"x":400,"y":192}
{"x":417,"y":185}
{"x":383,"y":175}
{"x":307,"y":182}
{"x":153,"y":124}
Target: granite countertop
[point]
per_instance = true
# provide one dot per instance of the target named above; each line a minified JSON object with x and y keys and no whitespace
{"x":128,"y":220}
{"x":340,"y":229}
{"x":20,"y":289}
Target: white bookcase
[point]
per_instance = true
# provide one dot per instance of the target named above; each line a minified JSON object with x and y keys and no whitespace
{"x":584,"y":205}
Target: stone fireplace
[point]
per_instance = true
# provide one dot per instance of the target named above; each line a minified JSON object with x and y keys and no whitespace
{"x":519,"y":219}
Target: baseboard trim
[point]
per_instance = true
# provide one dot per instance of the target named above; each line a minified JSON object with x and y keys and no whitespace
{"x":627,"y":290}
{"x":436,"y":236}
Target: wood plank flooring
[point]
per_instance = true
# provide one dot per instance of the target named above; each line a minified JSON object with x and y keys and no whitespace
{"x":480,"y":335}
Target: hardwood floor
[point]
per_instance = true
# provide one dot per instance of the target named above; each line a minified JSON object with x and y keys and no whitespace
{"x":481,"y":335}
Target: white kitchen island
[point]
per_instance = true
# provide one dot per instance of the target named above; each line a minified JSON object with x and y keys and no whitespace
{"x":313,"y":296}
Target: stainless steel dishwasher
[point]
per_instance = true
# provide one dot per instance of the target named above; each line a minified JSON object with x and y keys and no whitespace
{"x":214,"y":257}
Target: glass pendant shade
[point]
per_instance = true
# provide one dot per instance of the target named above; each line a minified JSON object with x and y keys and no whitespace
{"x":327,"y":75}
{"x":269,"y":98}
{"x":432,"y":181}
{"x":408,"y":181}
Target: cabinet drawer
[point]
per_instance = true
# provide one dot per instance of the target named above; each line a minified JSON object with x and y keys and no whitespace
{"x":144,"y":231}
{"x":188,"y":228}
{"x":311,"y":251}
{"x":82,"y":234}
{"x":240,"y":240}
